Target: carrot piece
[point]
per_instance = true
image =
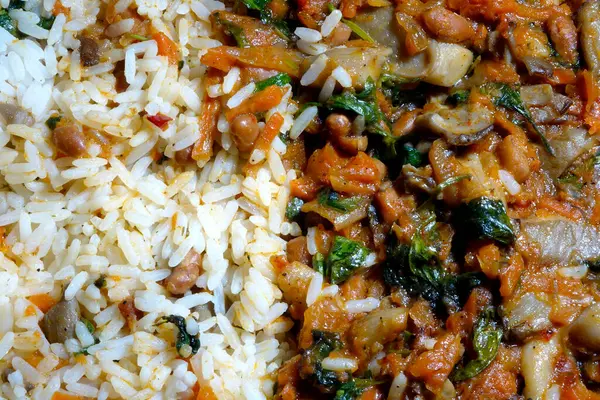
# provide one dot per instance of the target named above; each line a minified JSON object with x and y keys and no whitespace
{"x":34,"y":358}
{"x":511,"y":274}
{"x":279,"y":59}
{"x":561,"y":208}
{"x":260,"y":102}
{"x":489,"y":260}
{"x":205,"y":392}
{"x":269,"y":133}
{"x":42,"y":301}
{"x":211,"y":108}
{"x":65,"y":396}
{"x":166,"y":47}
{"x":591,"y":94}
{"x":59,"y":8}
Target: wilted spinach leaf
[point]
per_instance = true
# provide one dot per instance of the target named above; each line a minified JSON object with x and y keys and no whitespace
{"x":344,"y":257}
{"x":411,"y":156}
{"x":258,"y":5}
{"x":186,"y":344}
{"x":323,"y":344}
{"x":318,"y":263}
{"x":8,"y":23}
{"x":292,"y":210}
{"x":280,"y":79}
{"x":417,"y":268}
{"x":332,"y":199}
{"x":52,"y":122}
{"x":485,"y":218}
{"x":352,"y":389}
{"x":47,"y":23}
{"x":486,"y":341}
{"x":458,"y":97}
{"x":509,"y":98}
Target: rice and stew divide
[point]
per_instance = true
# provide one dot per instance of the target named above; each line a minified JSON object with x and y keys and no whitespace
{"x":355,"y":199}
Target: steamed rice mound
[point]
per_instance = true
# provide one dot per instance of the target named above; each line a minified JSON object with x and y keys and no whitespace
{"x":102,"y":231}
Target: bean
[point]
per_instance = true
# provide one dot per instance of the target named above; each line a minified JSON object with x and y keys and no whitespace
{"x":70,"y":140}
{"x":89,"y":51}
{"x":184,"y":276}
{"x":244,"y":129}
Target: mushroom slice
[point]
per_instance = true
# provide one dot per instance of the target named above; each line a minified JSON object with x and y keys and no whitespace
{"x":589,"y":14}
{"x":12,"y":114}
{"x":460,"y":126}
{"x":449,"y":62}
{"x":360,"y":62}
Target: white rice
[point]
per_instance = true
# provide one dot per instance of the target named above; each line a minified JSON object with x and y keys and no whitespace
{"x":362,"y":306}
{"x":123,"y":219}
{"x":342,"y":76}
{"x":339,"y":364}
{"x":308,"y":35}
{"x":302,"y":121}
{"x":314,"y":288}
{"x":331,"y":22}
{"x":314,"y":71}
{"x":509,"y":182}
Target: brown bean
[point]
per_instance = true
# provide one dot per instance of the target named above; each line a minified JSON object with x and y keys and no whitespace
{"x":129,"y":312}
{"x":184,"y":276}
{"x":338,"y":124}
{"x":184,"y":156}
{"x":244,"y":129}
{"x":298,"y":251}
{"x":89,"y":51}
{"x":339,"y":127}
{"x":447,"y":25}
{"x":121,"y":84}
{"x":70,"y":140}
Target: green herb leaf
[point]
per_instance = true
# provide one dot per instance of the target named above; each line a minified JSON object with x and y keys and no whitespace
{"x":186,"y":344}
{"x":318,"y":263}
{"x":280,"y":26}
{"x":8,"y":23}
{"x":292,"y":210}
{"x":53,"y":121}
{"x":572,"y":180}
{"x":344,"y":257}
{"x":16,"y":5}
{"x":509,"y":98}
{"x":233,"y":30}
{"x":458,"y":97}
{"x":280,"y":79}
{"x":352,"y":389}
{"x":486,"y":341}
{"x":332,"y":199}
{"x":417,"y":268}
{"x":258,"y":5}
{"x":450,"y":181}
{"x":138,"y":37}
{"x":46,"y":23}
{"x":100,"y":282}
{"x":90,"y":327}
{"x":411,"y":156}
{"x":323,"y":344}
{"x":358,"y":31}
{"x":485,"y":218}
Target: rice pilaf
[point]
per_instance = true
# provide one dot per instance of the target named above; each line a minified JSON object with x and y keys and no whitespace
{"x":103,"y":231}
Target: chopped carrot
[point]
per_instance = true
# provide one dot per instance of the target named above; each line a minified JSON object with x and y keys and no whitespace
{"x":42,"y":301}
{"x":34,"y":358}
{"x":276,"y":58}
{"x":269,"y":133}
{"x":595,"y":217}
{"x":434,"y":366}
{"x":59,"y":8}
{"x":205,"y":392}
{"x":260,"y":102}
{"x":211,"y":108}
{"x":561,"y":208}
{"x":489,"y":260}
{"x":497,"y":71}
{"x":80,"y":359}
{"x":65,"y":396}
{"x":562,"y":76}
{"x":590,"y":92}
{"x":29,"y":311}
{"x":166,"y":47}
{"x":510,"y":275}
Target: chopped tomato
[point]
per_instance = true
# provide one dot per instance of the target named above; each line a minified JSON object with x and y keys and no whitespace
{"x":159,"y":120}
